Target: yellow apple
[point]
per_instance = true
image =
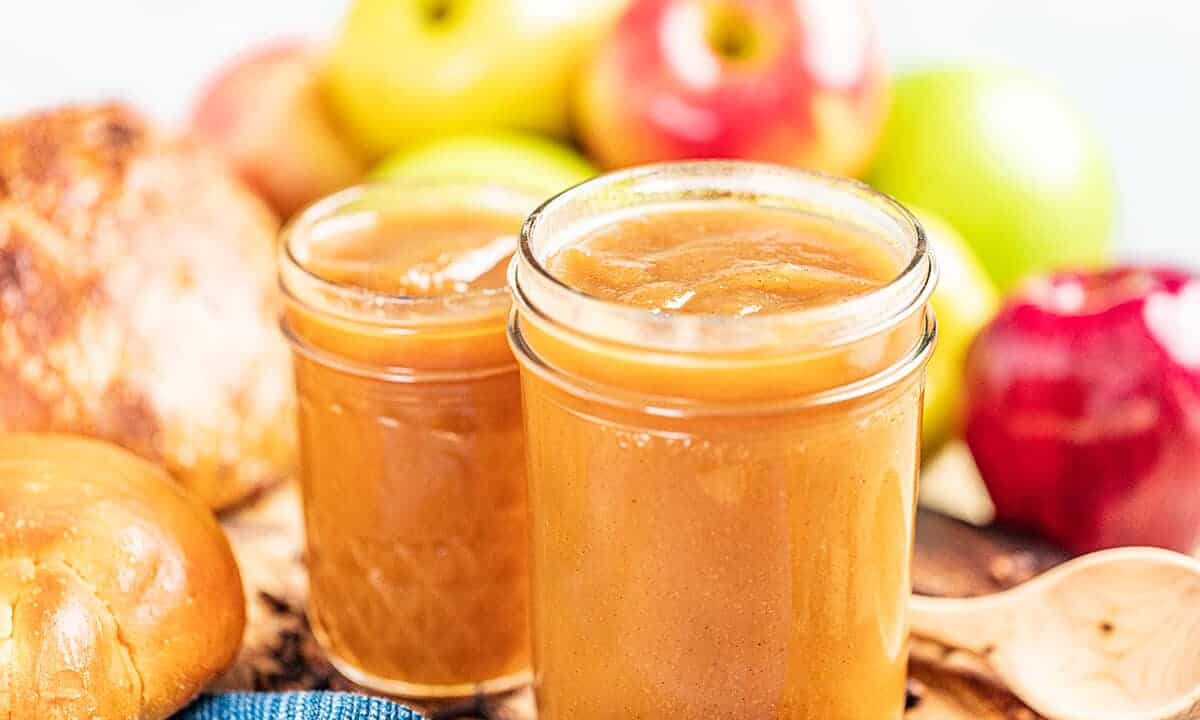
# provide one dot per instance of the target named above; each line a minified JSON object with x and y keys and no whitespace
{"x":407,"y":70}
{"x":964,"y":301}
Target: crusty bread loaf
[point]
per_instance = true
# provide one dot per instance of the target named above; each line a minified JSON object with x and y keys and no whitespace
{"x":119,"y":595}
{"x":138,"y":300}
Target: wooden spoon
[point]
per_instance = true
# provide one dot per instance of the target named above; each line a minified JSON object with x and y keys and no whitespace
{"x":1114,"y":635}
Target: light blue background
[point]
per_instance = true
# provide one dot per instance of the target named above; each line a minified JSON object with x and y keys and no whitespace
{"x":1132,"y":65}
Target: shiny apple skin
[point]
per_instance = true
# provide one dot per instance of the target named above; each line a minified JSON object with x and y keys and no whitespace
{"x":264,"y":112}
{"x":1083,"y":408}
{"x":813,"y":93}
{"x":401,"y":72}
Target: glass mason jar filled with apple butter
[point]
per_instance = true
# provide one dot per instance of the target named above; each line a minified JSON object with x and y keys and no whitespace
{"x":722,"y":368}
{"x":412,"y":467}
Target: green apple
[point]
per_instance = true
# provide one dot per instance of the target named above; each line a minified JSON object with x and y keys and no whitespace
{"x":523,"y":160}
{"x":401,"y":71}
{"x":964,"y":302}
{"x":1004,"y":159}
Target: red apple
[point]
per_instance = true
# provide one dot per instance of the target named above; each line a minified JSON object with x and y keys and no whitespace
{"x":265,"y":112}
{"x":799,"y":82}
{"x":1083,"y":408}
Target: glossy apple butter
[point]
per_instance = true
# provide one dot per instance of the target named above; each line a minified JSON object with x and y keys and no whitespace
{"x":722,"y":367}
{"x":412,"y":447}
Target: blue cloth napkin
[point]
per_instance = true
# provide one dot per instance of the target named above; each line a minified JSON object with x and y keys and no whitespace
{"x":295,"y":706}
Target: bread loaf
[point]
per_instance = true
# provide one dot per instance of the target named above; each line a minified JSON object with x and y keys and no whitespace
{"x":119,"y":595}
{"x":138,"y":301}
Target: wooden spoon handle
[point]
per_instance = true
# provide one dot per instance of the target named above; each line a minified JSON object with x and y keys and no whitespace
{"x":977,"y":625}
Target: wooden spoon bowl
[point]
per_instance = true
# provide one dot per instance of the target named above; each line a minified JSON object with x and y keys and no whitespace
{"x":1114,"y":635}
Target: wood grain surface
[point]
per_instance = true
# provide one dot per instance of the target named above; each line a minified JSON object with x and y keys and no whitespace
{"x":953,"y":559}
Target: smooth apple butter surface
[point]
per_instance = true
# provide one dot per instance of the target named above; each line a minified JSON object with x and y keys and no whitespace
{"x":422,"y":254}
{"x":711,"y":536}
{"x":412,"y":467}
{"x":727,"y":261}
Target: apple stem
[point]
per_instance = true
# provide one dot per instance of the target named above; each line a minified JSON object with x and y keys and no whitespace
{"x":438,"y":12}
{"x":731,"y":34}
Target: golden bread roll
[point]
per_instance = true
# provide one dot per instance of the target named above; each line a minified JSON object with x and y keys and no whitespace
{"x":119,"y":595}
{"x":138,"y":301}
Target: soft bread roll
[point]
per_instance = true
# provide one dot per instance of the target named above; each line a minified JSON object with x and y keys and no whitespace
{"x":119,"y":595}
{"x":138,"y":301}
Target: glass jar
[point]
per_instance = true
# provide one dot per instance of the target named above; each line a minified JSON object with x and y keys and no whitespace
{"x":722,"y":507}
{"x":412,"y":467}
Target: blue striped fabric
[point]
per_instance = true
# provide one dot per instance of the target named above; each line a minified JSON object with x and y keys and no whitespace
{"x":295,"y":706}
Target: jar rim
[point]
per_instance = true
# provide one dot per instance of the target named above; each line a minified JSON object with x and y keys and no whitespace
{"x":349,"y":301}
{"x":837,"y":323}
{"x":673,"y":407}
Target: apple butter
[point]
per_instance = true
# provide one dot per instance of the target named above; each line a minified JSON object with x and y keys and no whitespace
{"x":722,"y":368}
{"x":412,"y":466}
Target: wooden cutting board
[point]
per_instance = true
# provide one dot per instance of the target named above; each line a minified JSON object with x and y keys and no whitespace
{"x":952,"y":559}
